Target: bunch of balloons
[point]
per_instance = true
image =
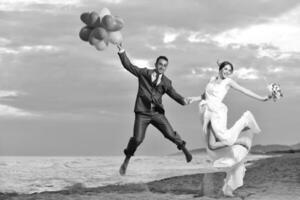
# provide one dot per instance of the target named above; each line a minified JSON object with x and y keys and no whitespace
{"x":101,"y":28}
{"x":275,"y":90}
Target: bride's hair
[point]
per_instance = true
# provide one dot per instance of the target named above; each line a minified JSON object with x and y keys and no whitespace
{"x":223,"y":64}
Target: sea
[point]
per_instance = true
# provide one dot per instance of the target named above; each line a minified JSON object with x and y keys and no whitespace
{"x":28,"y":175}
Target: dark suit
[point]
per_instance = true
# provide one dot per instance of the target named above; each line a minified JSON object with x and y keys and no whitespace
{"x":148,"y":106}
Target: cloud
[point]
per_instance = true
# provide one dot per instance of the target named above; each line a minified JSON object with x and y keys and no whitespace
{"x":198,"y":37}
{"x":202,"y":72}
{"x":47,"y":5}
{"x":142,"y":63}
{"x":7,"y":93}
{"x":274,"y":70}
{"x":4,"y":41}
{"x":170,"y":37}
{"x":152,"y":47}
{"x":30,"y":49}
{"x":10,"y":111}
{"x":39,"y":48}
{"x":34,"y":5}
{"x":273,"y":53}
{"x":246,"y":73}
{"x":282,"y":32}
{"x":4,"y":50}
{"x":241,"y":73}
{"x":112,"y":1}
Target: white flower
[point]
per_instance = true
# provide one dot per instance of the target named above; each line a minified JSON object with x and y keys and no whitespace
{"x":275,"y":91}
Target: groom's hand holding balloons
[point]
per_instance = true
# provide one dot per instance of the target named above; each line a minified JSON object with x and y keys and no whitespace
{"x":120,"y":47}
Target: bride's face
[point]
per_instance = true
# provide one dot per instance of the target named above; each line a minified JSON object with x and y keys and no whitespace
{"x":225,"y":71}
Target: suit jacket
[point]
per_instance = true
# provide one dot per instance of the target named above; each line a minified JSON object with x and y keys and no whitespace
{"x":148,"y":93}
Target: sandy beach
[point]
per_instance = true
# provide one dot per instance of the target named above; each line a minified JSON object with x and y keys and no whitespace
{"x":271,"y":178}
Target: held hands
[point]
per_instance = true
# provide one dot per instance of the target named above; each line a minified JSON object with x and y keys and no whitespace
{"x":190,"y":100}
{"x":187,"y":100}
{"x":195,"y":99}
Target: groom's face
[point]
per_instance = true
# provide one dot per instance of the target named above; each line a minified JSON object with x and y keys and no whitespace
{"x":161,"y":65}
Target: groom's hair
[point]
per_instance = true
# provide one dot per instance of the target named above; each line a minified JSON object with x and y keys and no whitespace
{"x":161,"y":57}
{"x":223,"y":64}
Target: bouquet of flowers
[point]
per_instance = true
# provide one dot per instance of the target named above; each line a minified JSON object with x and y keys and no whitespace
{"x":275,"y":91}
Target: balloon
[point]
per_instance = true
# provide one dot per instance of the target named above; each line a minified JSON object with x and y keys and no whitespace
{"x":115,"y":37}
{"x":85,"y":17}
{"x":112,"y":23}
{"x":119,"y":20}
{"x":103,"y":12}
{"x":85,"y":33}
{"x":94,"y":19}
{"x":98,"y":23}
{"x":101,"y":45}
{"x":100,"y":33}
{"x":275,"y":91}
{"x":92,"y":39}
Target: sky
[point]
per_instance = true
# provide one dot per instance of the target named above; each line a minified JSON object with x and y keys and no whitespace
{"x":59,"y":96}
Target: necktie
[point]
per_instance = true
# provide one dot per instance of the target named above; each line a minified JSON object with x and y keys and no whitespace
{"x":156,"y":78}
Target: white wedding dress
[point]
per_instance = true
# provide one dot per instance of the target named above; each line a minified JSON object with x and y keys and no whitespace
{"x":214,"y":116}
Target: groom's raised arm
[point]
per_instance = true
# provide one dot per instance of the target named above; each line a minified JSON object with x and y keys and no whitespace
{"x":127,"y":64}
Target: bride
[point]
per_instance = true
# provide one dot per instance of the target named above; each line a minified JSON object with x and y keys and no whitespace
{"x":227,"y":147}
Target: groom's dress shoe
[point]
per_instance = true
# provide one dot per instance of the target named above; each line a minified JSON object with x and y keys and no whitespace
{"x":123,"y":167}
{"x":122,"y":170}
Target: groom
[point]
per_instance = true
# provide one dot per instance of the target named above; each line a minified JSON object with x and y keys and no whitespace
{"x":148,"y":105}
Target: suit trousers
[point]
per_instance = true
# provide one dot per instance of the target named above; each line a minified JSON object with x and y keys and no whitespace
{"x":158,"y":120}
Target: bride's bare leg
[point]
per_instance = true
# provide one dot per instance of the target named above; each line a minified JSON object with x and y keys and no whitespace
{"x":246,"y":122}
{"x":212,"y":142}
{"x":245,"y":139}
